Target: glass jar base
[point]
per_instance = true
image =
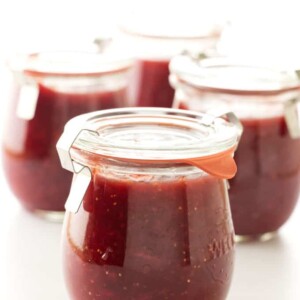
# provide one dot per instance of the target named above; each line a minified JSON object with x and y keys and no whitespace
{"x":255,"y":237}
{"x":52,"y":216}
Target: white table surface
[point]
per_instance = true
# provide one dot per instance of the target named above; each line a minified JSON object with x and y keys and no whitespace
{"x":30,"y":267}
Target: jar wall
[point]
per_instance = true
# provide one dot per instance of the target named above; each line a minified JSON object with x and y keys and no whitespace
{"x":30,"y":160}
{"x":265,"y":190}
{"x":150,"y":237}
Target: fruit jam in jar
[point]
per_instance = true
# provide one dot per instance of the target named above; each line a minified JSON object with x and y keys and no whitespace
{"x":148,"y":215}
{"x":49,"y":89}
{"x":265,"y":190}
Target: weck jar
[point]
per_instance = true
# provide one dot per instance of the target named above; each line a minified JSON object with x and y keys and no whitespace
{"x":153,"y":46}
{"x":148,"y":215}
{"x":48,"y":89}
{"x":265,"y":190}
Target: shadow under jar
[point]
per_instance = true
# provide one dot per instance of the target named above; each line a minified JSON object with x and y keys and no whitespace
{"x":265,"y":190}
{"x":144,"y":220}
{"x":48,"y":90}
{"x":152,"y":49}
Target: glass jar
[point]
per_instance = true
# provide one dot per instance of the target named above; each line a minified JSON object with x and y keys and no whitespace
{"x":48,"y":90}
{"x":153,"y":48}
{"x":144,"y":220}
{"x":265,"y":190}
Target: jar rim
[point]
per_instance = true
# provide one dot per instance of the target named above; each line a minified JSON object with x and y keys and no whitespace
{"x":213,"y":33}
{"x":225,"y":75}
{"x":68,"y":63}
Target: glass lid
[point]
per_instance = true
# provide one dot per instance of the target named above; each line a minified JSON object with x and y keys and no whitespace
{"x":232,"y":76}
{"x":66,"y":63}
{"x":153,"y":134}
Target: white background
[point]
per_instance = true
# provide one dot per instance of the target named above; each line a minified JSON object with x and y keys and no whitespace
{"x":30,"y":247}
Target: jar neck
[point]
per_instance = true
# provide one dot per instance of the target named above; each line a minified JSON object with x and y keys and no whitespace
{"x":120,"y":168}
{"x":284,"y":92}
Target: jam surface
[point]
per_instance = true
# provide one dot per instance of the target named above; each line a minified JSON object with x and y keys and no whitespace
{"x":150,"y":84}
{"x":30,"y":159}
{"x":145,"y":238}
{"x":265,"y":189}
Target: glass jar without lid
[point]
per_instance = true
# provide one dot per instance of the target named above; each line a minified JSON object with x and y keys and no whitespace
{"x":148,"y":206}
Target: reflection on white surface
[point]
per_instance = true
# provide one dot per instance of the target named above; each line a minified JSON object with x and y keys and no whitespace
{"x":268,"y":270}
{"x":30,"y":267}
{"x":32,"y":260}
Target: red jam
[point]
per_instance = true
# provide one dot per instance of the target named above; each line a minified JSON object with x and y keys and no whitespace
{"x":265,"y":189}
{"x":150,"y":238}
{"x":150,"y":83}
{"x":30,"y":160}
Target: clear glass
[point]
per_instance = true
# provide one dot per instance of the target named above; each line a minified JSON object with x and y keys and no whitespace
{"x":149,"y":226}
{"x":66,"y":84}
{"x":265,"y":190}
